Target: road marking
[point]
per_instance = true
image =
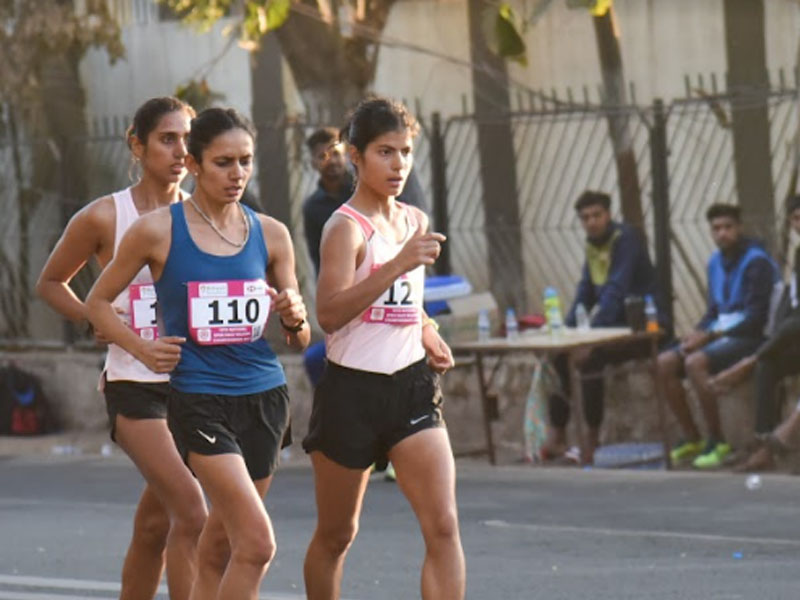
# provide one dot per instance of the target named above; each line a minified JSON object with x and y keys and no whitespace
{"x":38,"y":596}
{"x":680,"y":535}
{"x":54,"y":584}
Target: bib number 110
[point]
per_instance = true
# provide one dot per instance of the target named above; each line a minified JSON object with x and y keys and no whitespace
{"x":239,"y":311}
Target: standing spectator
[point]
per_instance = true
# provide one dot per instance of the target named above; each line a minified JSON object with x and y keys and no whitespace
{"x":617,"y":265}
{"x":741,"y":276}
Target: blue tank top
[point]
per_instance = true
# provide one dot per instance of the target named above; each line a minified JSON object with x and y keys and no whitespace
{"x":231,"y":370}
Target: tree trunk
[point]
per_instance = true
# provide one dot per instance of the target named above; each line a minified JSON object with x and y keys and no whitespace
{"x":619,"y":126}
{"x":748,"y":84}
{"x":498,"y":166}
{"x":332,"y":73}
{"x":268,"y":114}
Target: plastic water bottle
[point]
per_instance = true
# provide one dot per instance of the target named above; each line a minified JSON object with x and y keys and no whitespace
{"x":484,"y":325}
{"x":650,"y":314}
{"x":512,"y":327}
{"x":552,"y":311}
{"x":582,"y":318}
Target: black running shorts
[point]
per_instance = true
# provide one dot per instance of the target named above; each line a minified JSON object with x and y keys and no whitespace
{"x":135,"y":400}
{"x":358,"y":416}
{"x":256,"y":426}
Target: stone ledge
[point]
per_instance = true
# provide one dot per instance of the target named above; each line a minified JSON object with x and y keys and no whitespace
{"x":69,"y":378}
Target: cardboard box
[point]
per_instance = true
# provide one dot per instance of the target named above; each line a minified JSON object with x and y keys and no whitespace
{"x":461,"y":324}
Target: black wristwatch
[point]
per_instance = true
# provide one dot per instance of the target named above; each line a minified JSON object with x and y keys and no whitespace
{"x":296,"y":329}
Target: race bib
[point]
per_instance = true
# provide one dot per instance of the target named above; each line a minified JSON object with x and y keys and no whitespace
{"x":227,"y":312}
{"x":143,"y":310}
{"x":399,"y":305}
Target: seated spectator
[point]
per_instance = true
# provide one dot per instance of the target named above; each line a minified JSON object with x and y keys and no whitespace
{"x":617,"y":265}
{"x":776,"y":359}
{"x":741,"y":277}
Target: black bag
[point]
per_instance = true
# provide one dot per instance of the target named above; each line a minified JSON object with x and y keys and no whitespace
{"x":24,"y":409}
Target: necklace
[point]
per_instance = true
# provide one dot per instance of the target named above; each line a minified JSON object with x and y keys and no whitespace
{"x":216,"y":229}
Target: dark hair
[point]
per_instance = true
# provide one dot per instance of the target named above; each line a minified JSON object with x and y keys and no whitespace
{"x":715,"y":211}
{"x":324,"y":135}
{"x":211,"y":123}
{"x":149,"y":114}
{"x":373,"y":117}
{"x":792,"y":204}
{"x":590,"y":198}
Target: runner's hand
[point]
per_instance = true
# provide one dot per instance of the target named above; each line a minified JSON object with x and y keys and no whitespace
{"x":440,"y":357}
{"x":421,"y":249}
{"x":162,"y":355}
{"x":289,"y":305}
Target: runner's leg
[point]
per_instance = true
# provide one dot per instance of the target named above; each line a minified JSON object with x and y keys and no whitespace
{"x":144,"y":561}
{"x":426,"y":475}
{"x":339,"y":492}
{"x":214,"y":551}
{"x":241,"y":510}
{"x":150,"y":445}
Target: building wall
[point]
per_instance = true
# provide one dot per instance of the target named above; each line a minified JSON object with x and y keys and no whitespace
{"x":426,"y":54}
{"x":160,"y":55}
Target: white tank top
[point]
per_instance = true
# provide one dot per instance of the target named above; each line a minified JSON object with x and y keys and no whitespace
{"x":121,"y":366}
{"x":387,"y":337}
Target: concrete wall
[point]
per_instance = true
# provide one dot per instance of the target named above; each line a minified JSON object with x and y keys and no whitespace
{"x":160,"y":55}
{"x":70,"y":381}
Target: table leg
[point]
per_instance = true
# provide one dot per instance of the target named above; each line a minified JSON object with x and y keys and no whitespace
{"x":576,"y":401}
{"x":487,"y":423}
{"x":662,"y":416}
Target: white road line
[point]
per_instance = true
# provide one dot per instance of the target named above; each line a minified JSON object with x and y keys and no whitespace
{"x":38,"y":596}
{"x":680,"y":535}
{"x":64,"y":504}
{"x":84,"y":585}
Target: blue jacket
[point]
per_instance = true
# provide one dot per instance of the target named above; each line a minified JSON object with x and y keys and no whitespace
{"x":630,"y":273}
{"x":739,"y":290}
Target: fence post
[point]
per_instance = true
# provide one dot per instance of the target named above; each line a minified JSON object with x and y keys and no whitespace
{"x":439,"y":184}
{"x":659,"y":167}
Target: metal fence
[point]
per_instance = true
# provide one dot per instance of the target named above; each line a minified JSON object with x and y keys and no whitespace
{"x":559,"y":151}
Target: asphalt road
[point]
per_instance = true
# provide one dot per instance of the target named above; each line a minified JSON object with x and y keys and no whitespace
{"x":528,"y":533}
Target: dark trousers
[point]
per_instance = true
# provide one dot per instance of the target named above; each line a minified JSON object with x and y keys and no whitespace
{"x":778,"y":358}
{"x":592,"y":384}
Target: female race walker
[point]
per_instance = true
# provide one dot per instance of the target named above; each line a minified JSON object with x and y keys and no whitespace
{"x":171,"y":511}
{"x":219,"y":269}
{"x":378,"y":395}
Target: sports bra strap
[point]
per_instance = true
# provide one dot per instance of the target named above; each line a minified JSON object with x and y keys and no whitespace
{"x":366,"y":227}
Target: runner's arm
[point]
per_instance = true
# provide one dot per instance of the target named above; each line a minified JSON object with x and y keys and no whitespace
{"x":339,"y":300}
{"x":141,"y":245}
{"x":81,"y":239}
{"x":288,"y":302}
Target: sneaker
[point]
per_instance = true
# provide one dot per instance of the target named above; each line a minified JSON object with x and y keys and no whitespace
{"x":713,"y":457}
{"x":686,"y":450}
{"x":389,"y":474}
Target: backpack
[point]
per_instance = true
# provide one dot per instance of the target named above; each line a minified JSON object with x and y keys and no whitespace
{"x":24,"y":409}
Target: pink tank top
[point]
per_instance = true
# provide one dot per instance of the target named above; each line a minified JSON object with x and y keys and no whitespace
{"x":121,"y":366}
{"x":387,"y":337}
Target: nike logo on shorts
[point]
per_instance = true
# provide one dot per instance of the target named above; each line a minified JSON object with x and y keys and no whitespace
{"x":418,"y":419}
{"x":211,"y":439}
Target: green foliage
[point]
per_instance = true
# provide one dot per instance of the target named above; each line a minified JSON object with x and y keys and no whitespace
{"x":598,"y":8}
{"x":503,"y":33}
{"x":198,"y":94}
{"x":260,"y":16}
{"x":32,"y":33}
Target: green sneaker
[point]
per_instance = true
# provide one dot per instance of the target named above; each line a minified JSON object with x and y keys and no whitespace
{"x":686,"y":450}
{"x":389,"y":474}
{"x":713,"y":458}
